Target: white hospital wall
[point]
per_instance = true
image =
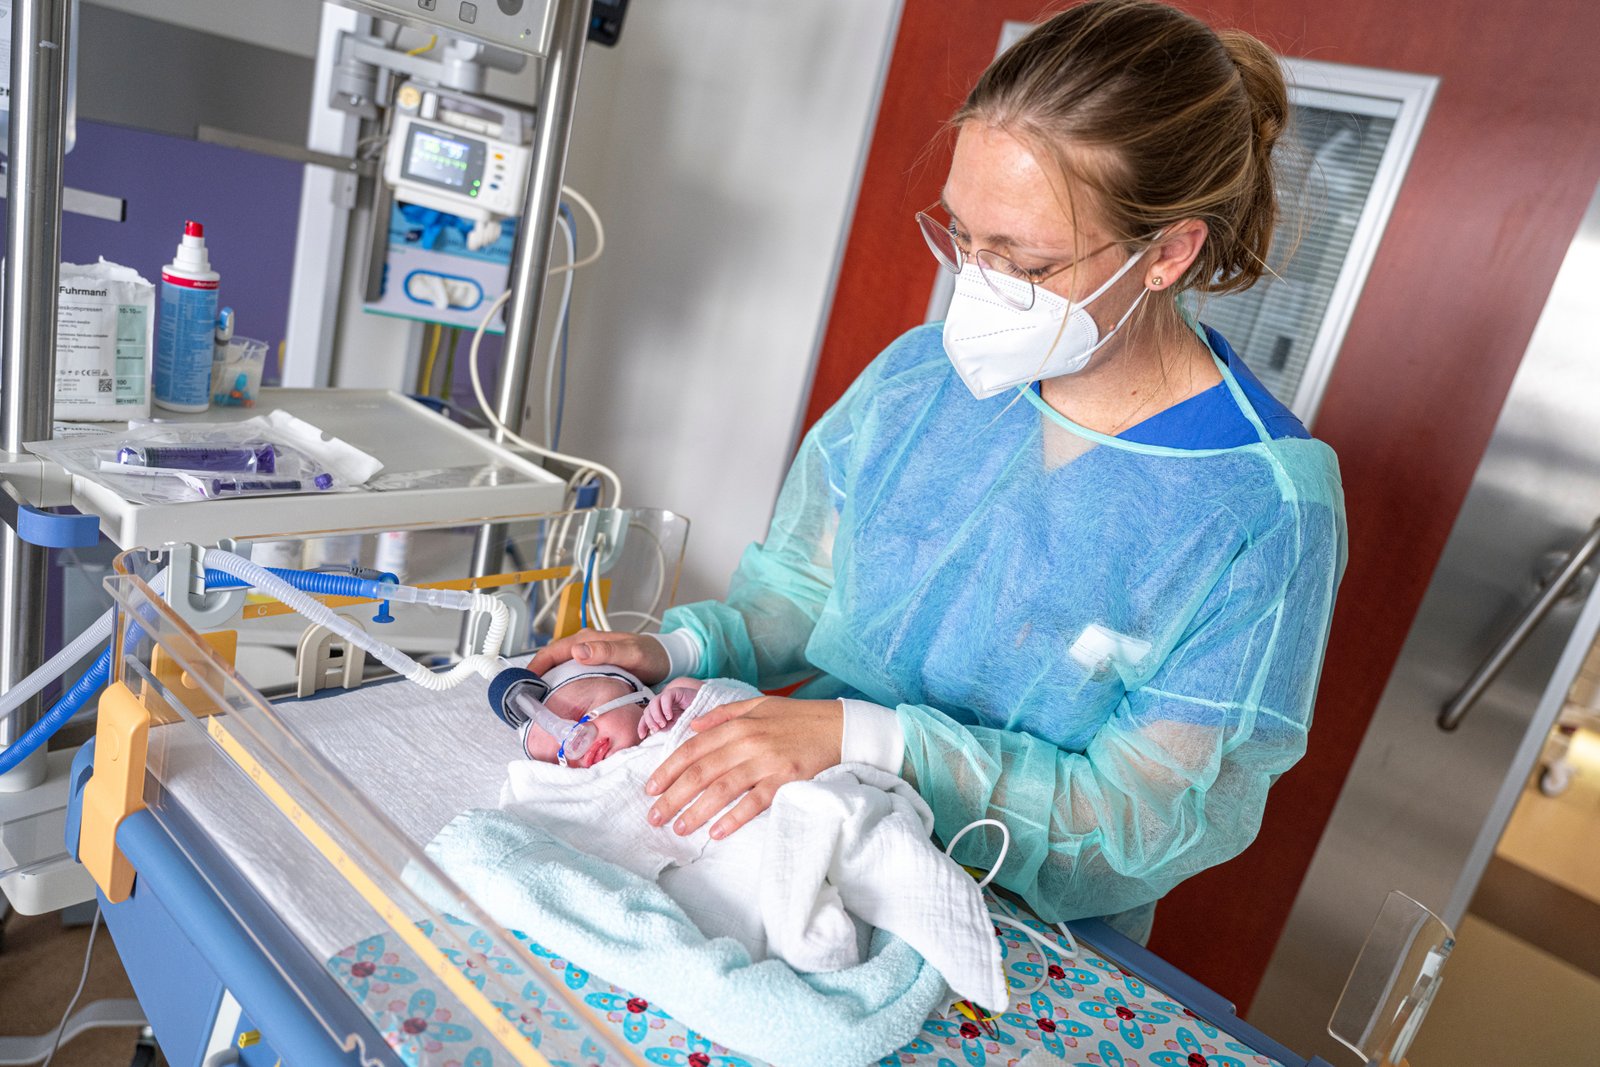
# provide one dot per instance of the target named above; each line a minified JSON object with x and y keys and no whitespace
{"x":721,"y":142}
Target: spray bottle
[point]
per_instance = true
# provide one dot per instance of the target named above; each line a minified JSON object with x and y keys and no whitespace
{"x":186,"y":326}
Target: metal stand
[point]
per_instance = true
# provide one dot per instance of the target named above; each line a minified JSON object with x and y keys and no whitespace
{"x":530,"y":258}
{"x":40,"y":32}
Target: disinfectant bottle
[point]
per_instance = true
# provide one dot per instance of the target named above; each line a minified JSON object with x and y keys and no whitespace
{"x":186,"y":326}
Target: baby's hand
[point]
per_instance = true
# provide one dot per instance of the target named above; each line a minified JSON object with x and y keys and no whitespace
{"x":668,"y":705}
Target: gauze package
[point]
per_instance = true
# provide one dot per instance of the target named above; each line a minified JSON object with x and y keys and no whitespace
{"x":105,"y":322}
{"x":172,"y":462}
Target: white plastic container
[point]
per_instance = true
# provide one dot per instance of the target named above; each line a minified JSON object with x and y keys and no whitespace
{"x":186,"y":326}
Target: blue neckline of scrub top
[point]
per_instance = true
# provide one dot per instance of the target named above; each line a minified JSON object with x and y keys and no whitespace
{"x":1212,"y":419}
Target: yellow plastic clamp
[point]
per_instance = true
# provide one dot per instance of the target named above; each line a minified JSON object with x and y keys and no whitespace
{"x":116,"y":790}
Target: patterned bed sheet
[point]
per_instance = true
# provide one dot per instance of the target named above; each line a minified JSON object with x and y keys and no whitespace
{"x":1088,"y":1013}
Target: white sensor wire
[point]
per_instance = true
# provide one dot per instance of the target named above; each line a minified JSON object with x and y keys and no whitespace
{"x":477,"y":340}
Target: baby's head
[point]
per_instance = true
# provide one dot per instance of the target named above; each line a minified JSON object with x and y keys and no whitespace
{"x":579,"y":689}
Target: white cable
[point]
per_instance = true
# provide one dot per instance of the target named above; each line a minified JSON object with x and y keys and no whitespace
{"x":661,"y":576}
{"x":1043,"y":946}
{"x":555,"y":336}
{"x":597,"y":610}
{"x":505,"y":431}
{"x":1005,"y":845}
{"x":599,"y":230}
{"x":553,"y":542}
{"x":483,"y":325}
{"x":1072,"y":942}
{"x":88,"y":958}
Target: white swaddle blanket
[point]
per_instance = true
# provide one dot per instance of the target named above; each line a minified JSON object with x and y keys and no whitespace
{"x":852,"y":842}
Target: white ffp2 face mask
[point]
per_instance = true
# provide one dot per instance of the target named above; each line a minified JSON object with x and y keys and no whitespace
{"x":996,"y":347}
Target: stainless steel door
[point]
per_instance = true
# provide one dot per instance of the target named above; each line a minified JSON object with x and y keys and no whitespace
{"x":1422,"y":808}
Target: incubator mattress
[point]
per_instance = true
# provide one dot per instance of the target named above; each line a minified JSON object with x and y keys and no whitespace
{"x":420,"y":757}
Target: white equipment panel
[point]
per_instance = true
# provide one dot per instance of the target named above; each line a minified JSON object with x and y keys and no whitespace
{"x":520,"y":25}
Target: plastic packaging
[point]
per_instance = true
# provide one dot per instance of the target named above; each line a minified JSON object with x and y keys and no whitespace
{"x":236,"y":372}
{"x":186,"y":329}
{"x":105,"y":322}
{"x":162,"y":463}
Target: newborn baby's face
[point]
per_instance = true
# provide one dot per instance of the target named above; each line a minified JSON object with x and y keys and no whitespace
{"x":618,"y":728}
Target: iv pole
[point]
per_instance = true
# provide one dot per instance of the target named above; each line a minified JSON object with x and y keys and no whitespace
{"x":40,"y":31}
{"x":530,"y":257}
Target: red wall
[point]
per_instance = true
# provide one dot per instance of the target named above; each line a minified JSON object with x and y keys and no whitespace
{"x":1508,"y":160}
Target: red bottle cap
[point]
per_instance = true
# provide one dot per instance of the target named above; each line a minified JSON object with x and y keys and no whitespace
{"x":193,"y":229}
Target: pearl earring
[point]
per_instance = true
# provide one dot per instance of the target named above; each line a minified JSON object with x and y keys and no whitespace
{"x":1155,"y":283}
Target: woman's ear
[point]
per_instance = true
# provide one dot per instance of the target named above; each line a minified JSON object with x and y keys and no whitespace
{"x":1175,"y":251}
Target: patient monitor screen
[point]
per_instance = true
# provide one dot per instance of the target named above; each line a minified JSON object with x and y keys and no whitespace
{"x":436,"y":157}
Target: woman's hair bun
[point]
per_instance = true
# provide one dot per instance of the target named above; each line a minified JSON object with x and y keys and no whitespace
{"x":1263,"y":84}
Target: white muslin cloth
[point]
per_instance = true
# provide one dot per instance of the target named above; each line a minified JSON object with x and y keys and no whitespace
{"x":851,"y":844}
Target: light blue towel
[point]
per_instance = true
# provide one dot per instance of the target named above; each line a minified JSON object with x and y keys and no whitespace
{"x":626,"y":930}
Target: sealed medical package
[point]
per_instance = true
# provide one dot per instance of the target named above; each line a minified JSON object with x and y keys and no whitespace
{"x":170,"y":462}
{"x":105,"y":322}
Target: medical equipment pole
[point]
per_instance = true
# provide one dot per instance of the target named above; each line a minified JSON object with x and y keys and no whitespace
{"x":39,"y":39}
{"x":531,"y":256}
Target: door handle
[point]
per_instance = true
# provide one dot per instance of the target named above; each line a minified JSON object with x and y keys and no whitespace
{"x":1456,"y":708}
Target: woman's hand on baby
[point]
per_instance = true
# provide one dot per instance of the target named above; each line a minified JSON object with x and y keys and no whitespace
{"x":749,"y":747}
{"x":668,"y":705}
{"x":642,"y":656}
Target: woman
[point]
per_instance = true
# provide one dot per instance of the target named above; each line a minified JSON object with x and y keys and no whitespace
{"x":1063,"y":563}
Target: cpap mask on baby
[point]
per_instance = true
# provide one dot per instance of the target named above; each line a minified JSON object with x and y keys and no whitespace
{"x":518,"y":696}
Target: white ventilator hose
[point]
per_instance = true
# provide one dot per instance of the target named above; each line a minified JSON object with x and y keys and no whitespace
{"x":89,"y":641}
{"x":54,"y":667}
{"x":486,"y":665}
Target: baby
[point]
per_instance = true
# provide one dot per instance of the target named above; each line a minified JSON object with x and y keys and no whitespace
{"x":623,"y":709}
{"x":804,"y":881}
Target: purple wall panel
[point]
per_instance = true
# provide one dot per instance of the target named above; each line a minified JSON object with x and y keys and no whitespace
{"x":249,"y":203}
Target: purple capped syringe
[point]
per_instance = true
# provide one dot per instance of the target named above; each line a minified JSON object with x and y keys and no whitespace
{"x":251,"y":457}
{"x":248,"y":486}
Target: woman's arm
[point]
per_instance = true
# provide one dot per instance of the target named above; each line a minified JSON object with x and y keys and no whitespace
{"x":776,"y":595}
{"x":1176,"y":780}
{"x":759,"y":634}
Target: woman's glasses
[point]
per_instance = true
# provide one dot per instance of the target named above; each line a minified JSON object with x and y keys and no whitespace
{"x":1005,"y":279}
